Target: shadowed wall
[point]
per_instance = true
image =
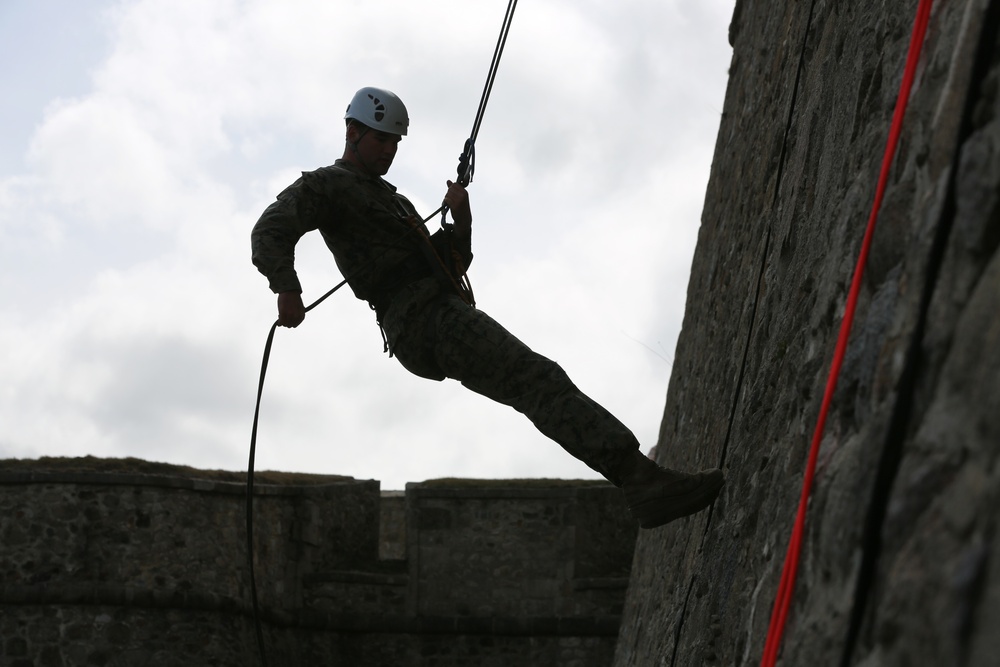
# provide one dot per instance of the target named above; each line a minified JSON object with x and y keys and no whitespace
{"x":900,"y":563}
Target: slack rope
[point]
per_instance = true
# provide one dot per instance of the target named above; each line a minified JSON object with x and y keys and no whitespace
{"x":783,"y":600}
{"x":250,"y":465}
{"x":259,"y":630}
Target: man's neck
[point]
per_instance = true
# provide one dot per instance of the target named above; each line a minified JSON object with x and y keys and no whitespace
{"x":355,"y":164}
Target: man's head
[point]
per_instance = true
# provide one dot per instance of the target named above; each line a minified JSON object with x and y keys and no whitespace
{"x":376,"y":122}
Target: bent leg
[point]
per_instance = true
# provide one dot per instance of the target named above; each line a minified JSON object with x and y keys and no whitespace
{"x":471,"y":347}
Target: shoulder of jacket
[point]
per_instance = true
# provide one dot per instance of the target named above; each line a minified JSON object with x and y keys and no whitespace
{"x":331,"y":181}
{"x":332,"y":173}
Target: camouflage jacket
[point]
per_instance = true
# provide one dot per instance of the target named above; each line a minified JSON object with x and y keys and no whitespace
{"x":362,"y":220}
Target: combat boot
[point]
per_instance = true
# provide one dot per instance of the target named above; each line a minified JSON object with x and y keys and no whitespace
{"x":656,"y":495}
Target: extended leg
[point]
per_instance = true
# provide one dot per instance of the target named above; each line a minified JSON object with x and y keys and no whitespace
{"x":469,"y":346}
{"x":473,"y":348}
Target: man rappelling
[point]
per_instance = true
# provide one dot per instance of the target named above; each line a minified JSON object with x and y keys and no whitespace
{"x":414,"y":281}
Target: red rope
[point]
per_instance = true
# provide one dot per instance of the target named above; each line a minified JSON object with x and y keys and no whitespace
{"x":782,"y":603}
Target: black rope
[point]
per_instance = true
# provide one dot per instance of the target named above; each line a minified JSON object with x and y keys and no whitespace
{"x":253,"y":446}
{"x":467,"y":160}
{"x":494,"y":66}
{"x":250,"y":466}
{"x":253,"y":451}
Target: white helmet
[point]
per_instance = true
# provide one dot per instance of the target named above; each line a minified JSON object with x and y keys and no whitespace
{"x":379,"y":109}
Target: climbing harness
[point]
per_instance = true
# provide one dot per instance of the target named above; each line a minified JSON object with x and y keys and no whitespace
{"x":779,"y":614}
{"x":453,"y":275}
{"x":466,"y":168}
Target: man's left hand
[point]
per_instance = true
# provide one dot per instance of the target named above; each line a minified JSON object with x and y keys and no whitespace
{"x":457,"y":200}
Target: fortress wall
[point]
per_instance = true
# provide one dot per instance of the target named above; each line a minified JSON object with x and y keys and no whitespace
{"x":118,"y":568}
{"x":900,"y":550}
{"x":132,"y":567}
{"x":169,"y":536}
{"x":540,"y":551}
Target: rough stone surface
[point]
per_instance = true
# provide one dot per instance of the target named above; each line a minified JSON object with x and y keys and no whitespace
{"x":900,"y":560}
{"x":122,"y":568}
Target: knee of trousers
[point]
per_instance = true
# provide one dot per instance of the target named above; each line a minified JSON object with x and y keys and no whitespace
{"x":522,"y":380}
{"x":486,"y":358}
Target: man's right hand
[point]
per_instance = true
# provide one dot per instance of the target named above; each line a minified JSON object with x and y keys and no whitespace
{"x":291,"y":312}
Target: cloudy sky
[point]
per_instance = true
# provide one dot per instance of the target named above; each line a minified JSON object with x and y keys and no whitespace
{"x":143,"y":138}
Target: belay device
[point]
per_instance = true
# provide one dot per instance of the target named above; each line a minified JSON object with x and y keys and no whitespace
{"x":466,"y":169}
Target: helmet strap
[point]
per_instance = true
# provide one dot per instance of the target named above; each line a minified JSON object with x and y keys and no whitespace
{"x":353,"y":145}
{"x":362,"y":130}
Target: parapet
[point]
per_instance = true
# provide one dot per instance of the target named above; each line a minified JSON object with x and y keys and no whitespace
{"x":125,"y":560}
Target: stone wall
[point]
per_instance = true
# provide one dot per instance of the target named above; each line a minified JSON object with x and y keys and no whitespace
{"x":901,"y":558}
{"x":571,"y":559}
{"x":122,"y":568}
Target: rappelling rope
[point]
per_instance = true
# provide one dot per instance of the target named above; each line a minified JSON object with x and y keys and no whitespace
{"x":467,"y":160}
{"x":782,"y":603}
{"x":250,"y":465}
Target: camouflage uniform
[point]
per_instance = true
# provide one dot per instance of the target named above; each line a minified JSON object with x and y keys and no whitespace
{"x":432,"y":332}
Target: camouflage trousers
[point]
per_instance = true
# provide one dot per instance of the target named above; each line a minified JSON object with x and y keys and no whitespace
{"x":448,"y":338}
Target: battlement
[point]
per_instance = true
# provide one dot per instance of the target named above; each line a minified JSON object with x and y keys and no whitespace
{"x":151,"y":565}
